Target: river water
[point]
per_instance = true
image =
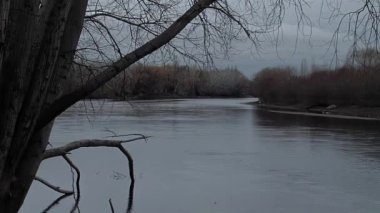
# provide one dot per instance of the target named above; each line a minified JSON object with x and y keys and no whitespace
{"x":214,"y":155}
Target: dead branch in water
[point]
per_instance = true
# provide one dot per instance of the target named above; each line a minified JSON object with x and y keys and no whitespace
{"x":59,"y":151}
{"x":55,"y":202}
{"x":64,"y":150}
{"x":77,"y":183}
{"x":55,"y":188}
{"x":111,"y":206}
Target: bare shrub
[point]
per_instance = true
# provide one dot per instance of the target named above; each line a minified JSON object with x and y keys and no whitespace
{"x":347,"y":85}
{"x":149,"y":81}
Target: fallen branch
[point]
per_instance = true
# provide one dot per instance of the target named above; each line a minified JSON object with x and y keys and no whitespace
{"x":77,"y":183}
{"x":63,"y":150}
{"x":125,"y":135}
{"x":130,"y":162}
{"x":130,"y":197}
{"x":55,"y":188}
{"x":111,"y":206}
{"x":55,"y":202}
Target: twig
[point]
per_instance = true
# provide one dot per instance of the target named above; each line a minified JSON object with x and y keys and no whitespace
{"x":55,"y":188}
{"x":111,"y":206}
{"x":126,"y":135}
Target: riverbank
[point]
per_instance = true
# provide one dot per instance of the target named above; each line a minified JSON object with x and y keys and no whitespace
{"x":164,"y":98}
{"x":332,"y":111}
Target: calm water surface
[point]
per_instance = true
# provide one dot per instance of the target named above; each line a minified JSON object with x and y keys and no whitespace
{"x":215,"y":155}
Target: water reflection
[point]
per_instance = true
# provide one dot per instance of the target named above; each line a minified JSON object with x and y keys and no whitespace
{"x":358,"y":136}
{"x":130,"y":197}
{"x":76,"y":201}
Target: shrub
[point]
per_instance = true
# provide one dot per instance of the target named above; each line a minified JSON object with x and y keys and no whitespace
{"x":142,"y":81}
{"x":347,"y":85}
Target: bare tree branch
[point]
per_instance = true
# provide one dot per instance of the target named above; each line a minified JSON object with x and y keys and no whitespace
{"x":111,"y":206}
{"x":55,"y":188}
{"x":59,"y":151}
{"x":55,"y":202}
{"x":69,"y":99}
{"x":77,"y":183}
{"x":130,"y":196}
{"x":130,"y":162}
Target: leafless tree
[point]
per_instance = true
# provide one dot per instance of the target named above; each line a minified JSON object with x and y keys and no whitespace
{"x":41,"y":39}
{"x":358,"y":24}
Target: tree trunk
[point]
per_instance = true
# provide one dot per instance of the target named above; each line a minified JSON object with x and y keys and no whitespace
{"x":26,"y":171}
{"x":25,"y":145}
{"x":4,"y":11}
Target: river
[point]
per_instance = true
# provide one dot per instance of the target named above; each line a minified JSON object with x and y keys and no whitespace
{"x":214,"y":155}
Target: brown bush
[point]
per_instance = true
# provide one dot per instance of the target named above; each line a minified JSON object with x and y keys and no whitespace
{"x":275,"y":85}
{"x":142,"y":81}
{"x":345,"y":86}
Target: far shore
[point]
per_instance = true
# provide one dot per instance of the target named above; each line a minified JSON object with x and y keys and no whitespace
{"x":340,"y":112}
{"x":163,"y":98}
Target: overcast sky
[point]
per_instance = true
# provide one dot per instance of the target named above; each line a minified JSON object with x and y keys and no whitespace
{"x":290,"y":51}
{"x":291,"y":47}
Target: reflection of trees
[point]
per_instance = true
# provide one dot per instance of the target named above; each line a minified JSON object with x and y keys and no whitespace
{"x":64,"y":196}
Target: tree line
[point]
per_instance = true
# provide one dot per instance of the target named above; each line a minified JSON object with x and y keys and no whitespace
{"x":168,"y":81}
{"x":355,"y":83}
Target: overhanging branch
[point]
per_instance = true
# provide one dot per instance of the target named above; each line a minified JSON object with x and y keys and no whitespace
{"x":166,"y":36}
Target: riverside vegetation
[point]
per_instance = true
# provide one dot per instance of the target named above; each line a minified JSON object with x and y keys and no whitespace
{"x":353,"y":88}
{"x":355,"y":83}
{"x":169,"y":81}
